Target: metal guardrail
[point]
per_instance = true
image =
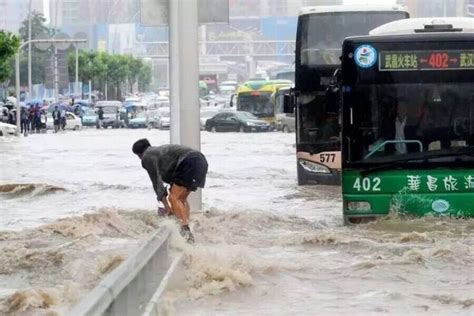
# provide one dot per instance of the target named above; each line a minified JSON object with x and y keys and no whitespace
{"x":129,"y":288}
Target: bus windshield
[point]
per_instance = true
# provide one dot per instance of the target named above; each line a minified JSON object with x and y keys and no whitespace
{"x":419,"y":121}
{"x":322,"y":34}
{"x":258,"y":103}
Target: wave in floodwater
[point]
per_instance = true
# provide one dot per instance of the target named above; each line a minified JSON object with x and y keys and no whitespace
{"x":118,"y":187}
{"x":49,"y":268}
{"x":28,"y":189}
{"x":249,"y":260}
{"x":251,"y":253}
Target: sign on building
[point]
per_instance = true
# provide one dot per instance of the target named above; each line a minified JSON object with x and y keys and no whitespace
{"x":156,"y":12}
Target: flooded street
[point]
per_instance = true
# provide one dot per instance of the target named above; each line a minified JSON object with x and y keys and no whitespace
{"x":263,"y":245}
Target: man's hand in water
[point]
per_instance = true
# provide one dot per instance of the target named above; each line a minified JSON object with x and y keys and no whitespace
{"x":166,"y":205}
{"x":162,"y":212}
{"x":166,"y":210}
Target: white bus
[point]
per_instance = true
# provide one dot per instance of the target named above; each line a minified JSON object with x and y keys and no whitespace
{"x":321,"y":31}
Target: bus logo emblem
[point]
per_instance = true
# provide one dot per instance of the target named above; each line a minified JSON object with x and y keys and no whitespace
{"x":440,"y":206}
{"x":365,"y":56}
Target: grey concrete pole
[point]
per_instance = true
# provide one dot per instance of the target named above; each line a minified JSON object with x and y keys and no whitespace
{"x":30,"y":86}
{"x":184,"y":55}
{"x":17,"y":79}
{"x":76,"y":87}
{"x":56,"y":76}
{"x":174,"y":71}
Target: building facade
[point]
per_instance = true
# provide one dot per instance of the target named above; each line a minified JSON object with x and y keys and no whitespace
{"x":13,"y":12}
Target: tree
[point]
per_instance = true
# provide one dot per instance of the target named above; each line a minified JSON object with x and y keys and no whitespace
{"x":38,"y":27}
{"x":134,"y":67}
{"x":38,"y":57}
{"x":110,"y":72}
{"x":144,"y":77}
{"x":9,"y":45}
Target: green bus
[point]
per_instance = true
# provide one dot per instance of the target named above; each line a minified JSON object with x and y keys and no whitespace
{"x":408,"y":120}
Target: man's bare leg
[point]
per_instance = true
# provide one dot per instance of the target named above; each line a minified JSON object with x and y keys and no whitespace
{"x":179,"y":205}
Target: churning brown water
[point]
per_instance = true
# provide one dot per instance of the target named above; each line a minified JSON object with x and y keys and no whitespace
{"x":264,"y":246}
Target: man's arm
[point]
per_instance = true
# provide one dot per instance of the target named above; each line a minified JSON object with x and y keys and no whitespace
{"x":151,"y":165}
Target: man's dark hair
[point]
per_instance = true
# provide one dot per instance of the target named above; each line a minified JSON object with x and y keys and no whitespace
{"x":140,"y":146}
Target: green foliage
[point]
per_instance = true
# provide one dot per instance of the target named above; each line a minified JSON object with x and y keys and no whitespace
{"x":38,"y":27}
{"x":38,"y":57}
{"x":144,"y":77}
{"x":115,"y":70}
{"x":9,"y":44}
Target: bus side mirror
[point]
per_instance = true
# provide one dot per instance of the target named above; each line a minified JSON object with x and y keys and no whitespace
{"x":232,"y":100}
{"x":288,"y":104}
{"x":333,"y":98}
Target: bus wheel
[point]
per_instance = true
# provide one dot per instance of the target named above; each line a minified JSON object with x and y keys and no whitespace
{"x":349,"y":220}
{"x":285,"y":129}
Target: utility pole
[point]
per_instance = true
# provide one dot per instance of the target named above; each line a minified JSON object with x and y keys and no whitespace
{"x":30,"y":86}
{"x":56,"y":76}
{"x":76,"y":87}
{"x":184,"y":75}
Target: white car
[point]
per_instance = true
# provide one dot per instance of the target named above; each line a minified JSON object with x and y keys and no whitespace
{"x":164,"y":118}
{"x":72,"y":122}
{"x":7,"y":129}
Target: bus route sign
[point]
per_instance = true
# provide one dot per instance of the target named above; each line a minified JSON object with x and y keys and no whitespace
{"x":426,"y":60}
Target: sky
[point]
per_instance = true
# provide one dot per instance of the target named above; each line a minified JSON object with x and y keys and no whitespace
{"x":371,"y":2}
{"x":46,"y":10}
{"x":46,"y":4}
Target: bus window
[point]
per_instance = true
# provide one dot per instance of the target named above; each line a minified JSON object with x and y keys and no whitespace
{"x":321,"y":45}
{"x":258,"y":103}
{"x":434,"y":118}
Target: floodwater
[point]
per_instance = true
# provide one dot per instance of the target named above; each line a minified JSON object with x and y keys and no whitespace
{"x":263,"y":245}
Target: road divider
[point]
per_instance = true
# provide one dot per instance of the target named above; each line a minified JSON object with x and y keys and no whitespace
{"x":134,"y":287}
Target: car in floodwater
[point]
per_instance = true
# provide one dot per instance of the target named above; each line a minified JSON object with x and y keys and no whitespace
{"x":164,"y":121}
{"x":148,"y":119}
{"x":237,"y":121}
{"x":285,"y":123}
{"x":89,"y":118}
{"x":205,"y":114}
{"x":7,"y":129}
{"x":73,"y":122}
{"x":111,"y":113}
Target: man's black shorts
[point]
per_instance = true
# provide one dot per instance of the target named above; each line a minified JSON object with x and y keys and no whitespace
{"x":191,"y":172}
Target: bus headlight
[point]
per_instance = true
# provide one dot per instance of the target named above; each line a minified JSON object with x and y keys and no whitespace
{"x":358,"y":206}
{"x":313,"y":167}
